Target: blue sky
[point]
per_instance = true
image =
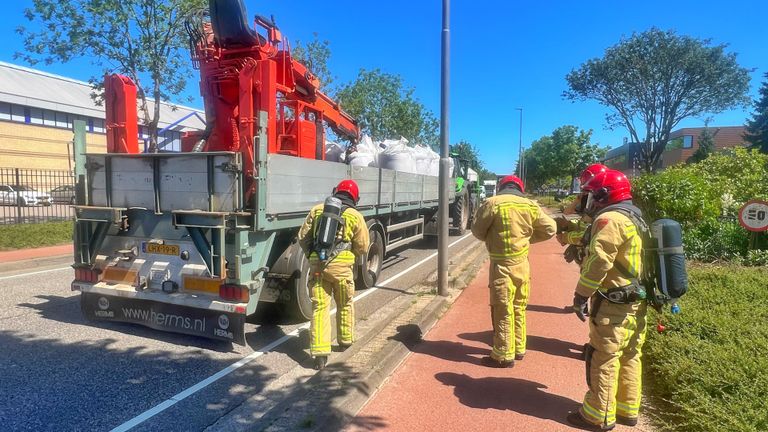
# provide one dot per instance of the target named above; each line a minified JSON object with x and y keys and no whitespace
{"x":505,"y":54}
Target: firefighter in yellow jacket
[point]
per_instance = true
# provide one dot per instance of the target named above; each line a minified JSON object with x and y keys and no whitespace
{"x":332,"y":270}
{"x":617,"y":319}
{"x":508,"y":223}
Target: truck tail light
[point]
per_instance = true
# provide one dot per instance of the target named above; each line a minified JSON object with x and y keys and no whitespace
{"x":237,"y":293}
{"x":86,"y":275}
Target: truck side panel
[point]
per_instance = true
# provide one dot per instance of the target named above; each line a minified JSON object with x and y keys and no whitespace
{"x":166,"y":182}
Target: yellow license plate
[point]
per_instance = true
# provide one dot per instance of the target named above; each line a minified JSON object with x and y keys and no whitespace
{"x":162,"y":249}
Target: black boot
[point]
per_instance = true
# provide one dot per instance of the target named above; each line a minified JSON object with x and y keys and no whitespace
{"x":519,"y":357}
{"x":576,"y":420}
{"x":626,"y":421}
{"x":320,"y":362}
{"x":490,"y":362}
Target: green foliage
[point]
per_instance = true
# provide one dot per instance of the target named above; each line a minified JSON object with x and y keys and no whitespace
{"x":21,"y":236}
{"x":314,"y":55}
{"x":561,"y":156}
{"x":466,"y":150}
{"x":708,"y":369}
{"x":143,"y":39}
{"x":757,"y":126}
{"x":741,"y":173}
{"x":655,"y":79}
{"x":756,"y":258}
{"x":705,"y":198}
{"x":716,"y":240}
{"x":676,"y":194}
{"x":706,"y":143}
{"x":385,"y":108}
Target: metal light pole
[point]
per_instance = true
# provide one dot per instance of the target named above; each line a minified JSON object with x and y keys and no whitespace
{"x":521,"y":161}
{"x":445,"y":162}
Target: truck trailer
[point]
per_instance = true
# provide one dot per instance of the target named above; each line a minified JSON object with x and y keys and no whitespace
{"x":192,"y":242}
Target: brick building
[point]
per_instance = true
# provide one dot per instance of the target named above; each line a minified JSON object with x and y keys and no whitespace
{"x":37,"y":111}
{"x":682,"y":144}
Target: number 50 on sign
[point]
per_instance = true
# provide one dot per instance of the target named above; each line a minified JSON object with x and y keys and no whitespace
{"x":754,"y":215}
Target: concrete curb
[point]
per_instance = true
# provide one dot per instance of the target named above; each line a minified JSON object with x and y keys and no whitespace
{"x":343,"y":410}
{"x":331,"y":398}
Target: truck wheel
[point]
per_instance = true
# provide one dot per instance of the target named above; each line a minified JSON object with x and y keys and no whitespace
{"x":460,"y":214}
{"x":21,"y":202}
{"x":368,"y":273}
{"x":300,"y":305}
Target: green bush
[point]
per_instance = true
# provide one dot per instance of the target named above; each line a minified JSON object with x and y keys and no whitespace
{"x":705,"y":197}
{"x":709,"y":370}
{"x":678,"y":194}
{"x":715,"y":240}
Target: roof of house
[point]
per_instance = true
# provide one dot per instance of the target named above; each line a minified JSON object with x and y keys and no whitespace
{"x":33,"y":88}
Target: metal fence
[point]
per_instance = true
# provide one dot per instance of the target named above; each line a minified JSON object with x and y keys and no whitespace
{"x":33,"y":196}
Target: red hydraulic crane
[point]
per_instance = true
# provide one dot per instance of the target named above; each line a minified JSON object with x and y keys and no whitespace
{"x":244,"y":73}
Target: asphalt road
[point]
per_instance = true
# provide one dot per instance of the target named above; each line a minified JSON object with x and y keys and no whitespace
{"x":60,"y":372}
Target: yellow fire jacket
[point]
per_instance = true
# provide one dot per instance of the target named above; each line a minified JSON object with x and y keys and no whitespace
{"x":614,"y":240}
{"x":355,"y":233}
{"x":509,"y":223}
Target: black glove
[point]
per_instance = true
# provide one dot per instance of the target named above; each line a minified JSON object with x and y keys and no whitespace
{"x":570,"y":253}
{"x":581,"y":306}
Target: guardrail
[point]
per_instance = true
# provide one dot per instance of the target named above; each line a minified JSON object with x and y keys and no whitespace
{"x":34,"y":196}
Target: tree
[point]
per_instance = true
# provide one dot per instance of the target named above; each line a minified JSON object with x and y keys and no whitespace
{"x":560,"y":157}
{"x":706,"y":143}
{"x":465,"y":150}
{"x":314,"y":55}
{"x":143,"y":39}
{"x":385,"y":108}
{"x":655,"y":79}
{"x":757,"y":127}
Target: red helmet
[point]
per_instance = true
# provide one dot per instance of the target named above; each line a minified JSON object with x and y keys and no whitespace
{"x":350,"y":187}
{"x":608,"y":187}
{"x":590,"y":172}
{"x":510,"y":179}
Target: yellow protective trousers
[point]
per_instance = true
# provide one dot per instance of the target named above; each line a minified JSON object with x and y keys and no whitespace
{"x":335,"y":281}
{"x":509,"y":286}
{"x":614,"y":368}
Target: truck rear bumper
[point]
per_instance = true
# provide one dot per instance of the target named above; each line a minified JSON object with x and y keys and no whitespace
{"x":212,"y":324}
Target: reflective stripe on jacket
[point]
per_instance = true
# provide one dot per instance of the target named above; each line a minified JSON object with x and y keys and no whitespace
{"x":509,"y":223}
{"x":614,"y":239}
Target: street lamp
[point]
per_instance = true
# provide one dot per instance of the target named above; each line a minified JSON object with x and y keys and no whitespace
{"x":442,"y":220}
{"x":521,"y":160}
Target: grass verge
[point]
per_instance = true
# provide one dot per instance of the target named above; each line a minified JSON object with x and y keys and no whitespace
{"x":709,"y":369}
{"x":21,"y":236}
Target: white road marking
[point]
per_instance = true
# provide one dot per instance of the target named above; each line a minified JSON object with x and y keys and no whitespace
{"x":157,"y":409}
{"x":36,"y":272}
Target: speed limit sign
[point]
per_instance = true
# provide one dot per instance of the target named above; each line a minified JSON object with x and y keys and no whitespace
{"x":754,"y":215}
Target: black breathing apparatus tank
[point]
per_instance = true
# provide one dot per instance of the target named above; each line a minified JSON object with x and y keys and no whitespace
{"x":668,"y":259}
{"x":328,"y":228}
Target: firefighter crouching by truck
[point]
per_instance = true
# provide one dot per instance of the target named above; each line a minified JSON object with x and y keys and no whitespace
{"x":617,"y":311}
{"x":508,"y":223}
{"x":333,"y":234}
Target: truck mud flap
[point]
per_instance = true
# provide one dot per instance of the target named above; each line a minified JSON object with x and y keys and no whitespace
{"x":207,"y":323}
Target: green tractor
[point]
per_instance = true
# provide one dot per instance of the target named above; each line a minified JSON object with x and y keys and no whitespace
{"x":462,"y":209}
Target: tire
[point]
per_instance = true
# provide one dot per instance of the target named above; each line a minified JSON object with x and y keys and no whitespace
{"x":21,"y":202}
{"x":300,"y":305}
{"x":374,"y":262}
{"x":72,"y":201}
{"x":460,"y":214}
